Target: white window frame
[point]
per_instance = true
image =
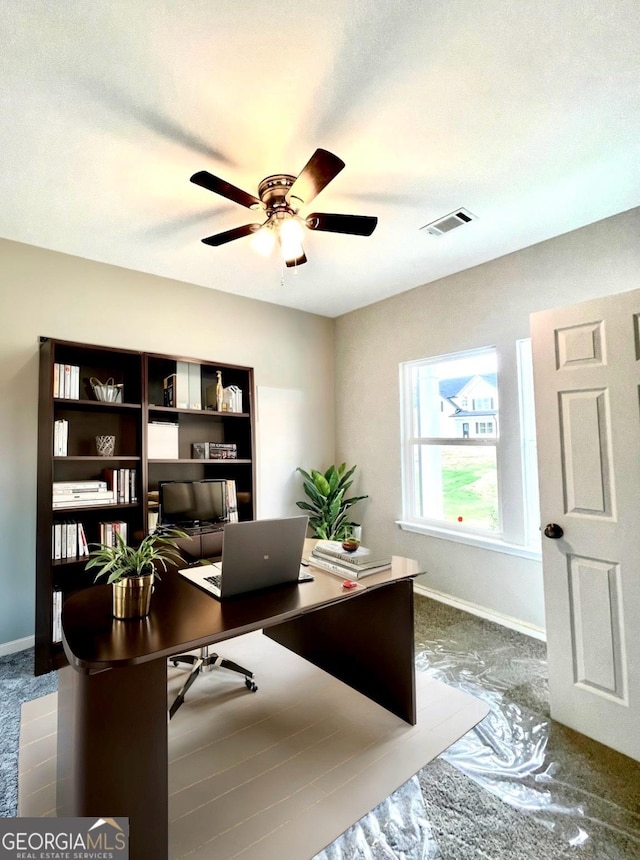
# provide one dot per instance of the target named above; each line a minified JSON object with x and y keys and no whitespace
{"x":524,"y":542}
{"x":528,"y":444}
{"x":410,"y":442}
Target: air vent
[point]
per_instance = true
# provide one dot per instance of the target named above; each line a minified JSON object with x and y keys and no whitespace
{"x":449,"y":222}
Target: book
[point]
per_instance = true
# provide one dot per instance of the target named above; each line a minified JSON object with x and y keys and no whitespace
{"x":83,"y":546}
{"x":109,"y":530}
{"x":133,"y":493}
{"x":232,"y":502}
{"x":360,"y":558}
{"x":78,"y":486}
{"x":72,"y":540}
{"x":169,"y":390}
{"x":111,"y":479}
{"x":182,"y":385}
{"x":60,"y":437}
{"x":84,"y":503}
{"x":199,"y":450}
{"x":56,"y":379}
{"x":194,"y":385}
{"x":56,"y":616}
{"x":334,"y":549}
{"x":344,"y":571}
{"x":222,"y":451}
{"x":88,"y":495}
{"x":75,"y":382}
{"x":57,"y":541}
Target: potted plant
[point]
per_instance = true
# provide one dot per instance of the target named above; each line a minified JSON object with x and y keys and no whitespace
{"x":131,"y":571}
{"x":328,"y":506}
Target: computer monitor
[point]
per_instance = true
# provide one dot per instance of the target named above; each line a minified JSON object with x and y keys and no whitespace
{"x":193,"y":503}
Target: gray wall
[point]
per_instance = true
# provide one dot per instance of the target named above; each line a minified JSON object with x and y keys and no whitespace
{"x":486,"y":305}
{"x":46,"y":293}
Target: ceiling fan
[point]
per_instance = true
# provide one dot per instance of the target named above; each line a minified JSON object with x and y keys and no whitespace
{"x":282,"y":196}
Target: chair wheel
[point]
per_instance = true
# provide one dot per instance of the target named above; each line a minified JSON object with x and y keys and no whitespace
{"x":251,"y":685}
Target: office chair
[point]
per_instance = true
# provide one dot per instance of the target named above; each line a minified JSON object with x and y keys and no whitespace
{"x":200,"y":663}
{"x":191,"y":549}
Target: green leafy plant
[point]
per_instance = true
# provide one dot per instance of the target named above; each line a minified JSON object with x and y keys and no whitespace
{"x":328,"y":506}
{"x":120,"y":561}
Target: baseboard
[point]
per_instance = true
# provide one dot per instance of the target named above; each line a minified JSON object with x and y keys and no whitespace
{"x":16,"y":645}
{"x":505,"y":620}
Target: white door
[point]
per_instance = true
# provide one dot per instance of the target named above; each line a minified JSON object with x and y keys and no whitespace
{"x":587,"y":390}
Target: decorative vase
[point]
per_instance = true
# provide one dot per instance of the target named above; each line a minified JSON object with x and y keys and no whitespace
{"x":219,"y":392}
{"x":132,"y":596}
{"x":105,"y":445}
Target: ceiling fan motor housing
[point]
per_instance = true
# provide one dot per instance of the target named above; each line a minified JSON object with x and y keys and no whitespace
{"x":273,"y":192}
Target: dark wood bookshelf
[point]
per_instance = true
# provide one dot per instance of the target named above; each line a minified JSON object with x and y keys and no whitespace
{"x":142,"y":377}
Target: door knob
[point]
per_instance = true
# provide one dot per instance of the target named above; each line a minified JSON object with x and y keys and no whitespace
{"x":553,"y":530}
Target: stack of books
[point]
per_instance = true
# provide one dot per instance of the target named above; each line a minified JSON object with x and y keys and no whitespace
{"x":109,"y":530}
{"x":66,"y":381}
{"x":329,"y":555}
{"x":78,"y":494}
{"x":68,"y":541}
{"x":122,"y":482}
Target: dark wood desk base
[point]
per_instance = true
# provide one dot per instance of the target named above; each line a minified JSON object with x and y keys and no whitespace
{"x":363,"y":642}
{"x":112,"y":751}
{"x":112,"y":724}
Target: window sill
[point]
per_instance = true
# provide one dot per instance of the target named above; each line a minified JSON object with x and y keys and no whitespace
{"x":492,"y":544}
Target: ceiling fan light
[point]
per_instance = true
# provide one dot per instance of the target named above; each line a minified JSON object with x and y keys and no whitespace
{"x":290,"y":234}
{"x":292,"y":251}
{"x":263,"y":241}
{"x":290,"y":230}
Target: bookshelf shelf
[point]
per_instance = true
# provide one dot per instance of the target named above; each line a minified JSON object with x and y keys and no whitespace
{"x":69,"y":562}
{"x":116,"y":458}
{"x":98,"y":405}
{"x":112,"y":506}
{"x":142,"y":377}
{"x":210,"y":413}
{"x":200,"y":462}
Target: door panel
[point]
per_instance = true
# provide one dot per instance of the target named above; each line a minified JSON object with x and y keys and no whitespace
{"x":584,"y":434}
{"x":587,"y":377}
{"x":595,"y":616}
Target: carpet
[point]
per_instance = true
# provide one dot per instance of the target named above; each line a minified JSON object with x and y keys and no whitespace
{"x":520,"y":786}
{"x":451,"y":816}
{"x":17,"y":685}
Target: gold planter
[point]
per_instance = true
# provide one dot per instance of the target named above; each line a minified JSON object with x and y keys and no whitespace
{"x":132,"y":596}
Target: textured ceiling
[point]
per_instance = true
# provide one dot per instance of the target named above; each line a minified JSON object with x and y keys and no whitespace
{"x":526,"y":113}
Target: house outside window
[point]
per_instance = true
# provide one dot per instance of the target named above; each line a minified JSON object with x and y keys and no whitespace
{"x":451,"y":452}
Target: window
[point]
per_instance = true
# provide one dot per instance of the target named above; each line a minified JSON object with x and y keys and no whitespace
{"x":464,"y":477}
{"x":450,"y":461}
{"x":481,"y":404}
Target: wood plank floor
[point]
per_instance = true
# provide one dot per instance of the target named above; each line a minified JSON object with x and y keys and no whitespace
{"x":277,"y":773}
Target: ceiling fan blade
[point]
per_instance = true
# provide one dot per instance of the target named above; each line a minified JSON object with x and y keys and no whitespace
{"x":354,"y":225}
{"x":297,"y":262}
{"x":318,"y":172}
{"x":226,"y":189}
{"x":230,"y":235}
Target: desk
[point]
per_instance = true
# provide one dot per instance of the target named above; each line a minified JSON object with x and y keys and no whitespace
{"x":112,"y":699}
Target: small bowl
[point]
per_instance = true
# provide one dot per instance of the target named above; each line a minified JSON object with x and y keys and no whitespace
{"x":350,"y":545}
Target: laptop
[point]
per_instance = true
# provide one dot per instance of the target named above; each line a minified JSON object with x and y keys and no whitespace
{"x":255,"y":554}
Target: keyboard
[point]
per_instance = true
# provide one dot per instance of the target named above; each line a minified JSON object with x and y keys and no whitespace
{"x":215,"y":580}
